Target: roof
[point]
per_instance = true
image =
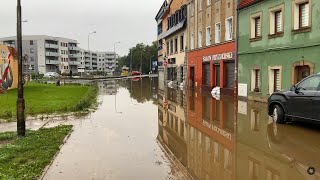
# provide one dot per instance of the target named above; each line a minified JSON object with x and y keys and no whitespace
{"x":246,"y":3}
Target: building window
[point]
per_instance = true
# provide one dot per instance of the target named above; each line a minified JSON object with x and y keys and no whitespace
{"x":255,"y":120}
{"x":168,"y":46}
{"x":208,"y":2}
{"x":31,"y":50}
{"x":256,"y":80}
{"x":182,"y":42}
{"x":218,"y":33}
{"x":229,"y":29}
{"x":274,"y":79}
{"x":200,"y":5}
{"x":176,"y":45}
{"x":276,"y":20}
{"x":192,"y":8}
{"x":31,"y":42}
{"x":199,"y":39}
{"x":301,"y":14}
{"x":192,"y":41}
{"x":171,"y":47}
{"x":208,"y":36}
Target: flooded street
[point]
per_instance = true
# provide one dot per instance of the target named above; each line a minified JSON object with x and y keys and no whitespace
{"x":144,"y":130}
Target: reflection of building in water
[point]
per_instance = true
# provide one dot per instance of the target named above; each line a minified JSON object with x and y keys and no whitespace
{"x":272,"y":151}
{"x":199,"y":131}
{"x":210,"y":137}
{"x":108,"y":87}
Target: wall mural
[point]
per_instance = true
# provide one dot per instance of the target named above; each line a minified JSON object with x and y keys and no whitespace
{"x":8,"y":69}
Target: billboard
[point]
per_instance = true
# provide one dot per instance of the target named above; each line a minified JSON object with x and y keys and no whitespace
{"x":8,"y":68}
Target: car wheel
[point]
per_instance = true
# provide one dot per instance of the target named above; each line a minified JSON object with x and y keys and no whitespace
{"x":278,"y":115}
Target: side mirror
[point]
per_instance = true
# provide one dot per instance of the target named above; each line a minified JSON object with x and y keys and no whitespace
{"x":293,"y":88}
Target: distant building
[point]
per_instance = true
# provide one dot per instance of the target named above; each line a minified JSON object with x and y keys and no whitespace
{"x":42,"y":54}
{"x":278,"y":45}
{"x":107,"y":62}
{"x":47,"y":54}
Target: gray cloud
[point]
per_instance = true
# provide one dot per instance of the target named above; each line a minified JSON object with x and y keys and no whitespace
{"x":128,"y":21}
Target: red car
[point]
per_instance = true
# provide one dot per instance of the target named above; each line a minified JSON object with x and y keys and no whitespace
{"x":136,"y":73}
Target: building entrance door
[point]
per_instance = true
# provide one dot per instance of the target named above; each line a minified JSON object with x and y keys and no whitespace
{"x":217,"y":75}
{"x":192,"y":76}
{"x":301,"y":72}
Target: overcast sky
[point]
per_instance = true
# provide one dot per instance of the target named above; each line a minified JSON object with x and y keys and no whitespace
{"x":127,"y":21}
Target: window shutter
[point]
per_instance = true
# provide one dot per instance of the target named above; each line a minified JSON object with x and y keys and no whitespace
{"x":304,"y":10}
{"x":230,"y":28}
{"x":258,"y":27}
{"x":278,"y":16}
{"x":277,"y":80}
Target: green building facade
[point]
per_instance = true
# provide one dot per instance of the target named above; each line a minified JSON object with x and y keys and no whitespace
{"x":279,"y":45}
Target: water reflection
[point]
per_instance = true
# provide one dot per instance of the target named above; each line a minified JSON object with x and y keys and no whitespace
{"x":211,"y":139}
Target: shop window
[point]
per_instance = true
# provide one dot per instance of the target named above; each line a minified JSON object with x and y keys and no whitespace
{"x":217,"y":33}
{"x":256,"y":80}
{"x":206,"y":74}
{"x":301,"y":14}
{"x":229,"y":29}
{"x":208,"y":36}
{"x":199,"y":39}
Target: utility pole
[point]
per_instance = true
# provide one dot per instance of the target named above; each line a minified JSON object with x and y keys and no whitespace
{"x":21,"y":123}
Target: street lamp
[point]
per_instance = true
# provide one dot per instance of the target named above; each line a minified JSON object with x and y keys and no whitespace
{"x":114,"y":48}
{"x":21,"y":123}
{"x":93,"y":32}
{"x":141,"y":61}
{"x":151,"y":63}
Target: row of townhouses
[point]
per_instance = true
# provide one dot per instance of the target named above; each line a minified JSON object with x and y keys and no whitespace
{"x":277,"y":44}
{"x":42,"y":54}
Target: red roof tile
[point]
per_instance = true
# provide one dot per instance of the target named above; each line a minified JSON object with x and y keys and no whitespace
{"x":245,"y":3}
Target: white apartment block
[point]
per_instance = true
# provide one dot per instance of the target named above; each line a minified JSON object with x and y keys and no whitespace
{"x":107,"y":62}
{"x":42,"y":54}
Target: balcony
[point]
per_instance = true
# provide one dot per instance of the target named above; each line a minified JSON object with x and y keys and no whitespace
{"x":51,"y":46}
{"x":72,"y":48}
{"x":74,"y":56}
{"x":74,"y":63}
{"x":52,"y":62}
{"x":54,"y":54}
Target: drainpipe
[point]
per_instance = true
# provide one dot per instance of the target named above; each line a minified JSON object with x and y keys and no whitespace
{"x":237,"y":49}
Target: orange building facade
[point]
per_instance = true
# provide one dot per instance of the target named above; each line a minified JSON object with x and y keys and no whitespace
{"x":212,"y":67}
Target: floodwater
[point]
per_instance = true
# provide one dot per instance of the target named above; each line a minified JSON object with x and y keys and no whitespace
{"x":144,"y":130}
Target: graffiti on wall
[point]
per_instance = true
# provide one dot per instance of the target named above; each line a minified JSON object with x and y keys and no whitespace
{"x":6,"y":72}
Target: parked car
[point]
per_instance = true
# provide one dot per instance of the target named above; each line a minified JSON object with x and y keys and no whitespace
{"x":51,"y":75}
{"x":136,"y":73}
{"x":302,"y":101}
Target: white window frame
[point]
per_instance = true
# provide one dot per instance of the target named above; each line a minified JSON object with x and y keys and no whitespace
{"x":272,"y":19}
{"x":200,"y":39}
{"x":217,"y":33}
{"x":296,"y":16}
{"x":192,"y":41}
{"x":253,"y":25}
{"x":208,"y":2}
{"x":271,"y":78}
{"x":253,"y":79}
{"x":208,"y":36}
{"x":228,"y":31}
{"x":200,"y":5}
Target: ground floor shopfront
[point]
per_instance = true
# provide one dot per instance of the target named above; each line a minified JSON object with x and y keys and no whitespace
{"x":261,"y":74}
{"x":213,"y":67}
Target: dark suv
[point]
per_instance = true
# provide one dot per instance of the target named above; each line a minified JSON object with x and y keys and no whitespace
{"x":302,"y":101}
